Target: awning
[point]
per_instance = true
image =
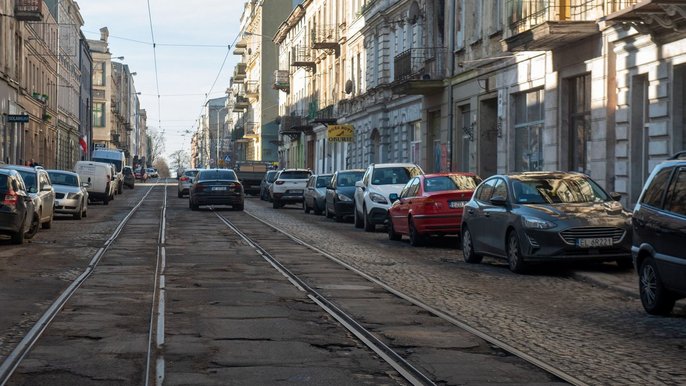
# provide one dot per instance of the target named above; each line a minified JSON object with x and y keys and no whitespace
{"x":341,"y":133}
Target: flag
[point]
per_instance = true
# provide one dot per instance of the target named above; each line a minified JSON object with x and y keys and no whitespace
{"x":84,"y":145}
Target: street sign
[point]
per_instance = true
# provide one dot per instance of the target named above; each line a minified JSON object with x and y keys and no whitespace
{"x":17,"y":118}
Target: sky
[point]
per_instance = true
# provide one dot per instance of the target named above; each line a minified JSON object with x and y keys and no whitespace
{"x":191,"y":43}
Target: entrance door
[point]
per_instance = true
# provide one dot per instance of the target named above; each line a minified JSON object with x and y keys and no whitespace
{"x":434,"y":131}
{"x":487,"y":164}
{"x":638,"y":157}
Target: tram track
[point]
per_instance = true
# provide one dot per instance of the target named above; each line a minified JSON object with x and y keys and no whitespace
{"x":343,"y":316}
{"x":12,"y":362}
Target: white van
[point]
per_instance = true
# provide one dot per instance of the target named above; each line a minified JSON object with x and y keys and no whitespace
{"x":101,"y":187}
{"x":116,"y":157}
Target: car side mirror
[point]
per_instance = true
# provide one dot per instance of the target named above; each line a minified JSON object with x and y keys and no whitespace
{"x":85,"y":184}
{"x":499,"y":201}
{"x":616,"y":196}
{"x":46,"y":188}
{"x":359,"y":184}
{"x":393,"y":197}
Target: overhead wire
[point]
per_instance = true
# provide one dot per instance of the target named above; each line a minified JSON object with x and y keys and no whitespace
{"x":157,"y":78}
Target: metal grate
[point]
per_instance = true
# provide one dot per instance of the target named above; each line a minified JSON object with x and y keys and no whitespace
{"x":571,"y":235}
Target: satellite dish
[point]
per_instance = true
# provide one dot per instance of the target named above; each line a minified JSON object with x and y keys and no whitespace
{"x":348,"y":86}
{"x":413,"y":14}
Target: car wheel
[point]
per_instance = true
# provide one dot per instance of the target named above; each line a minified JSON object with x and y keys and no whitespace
{"x":106,"y":201}
{"x":120,"y":188}
{"x":357,"y":219}
{"x":47,"y":224}
{"x":276,"y":204}
{"x":33,"y":229}
{"x":416,"y":238}
{"x":318,"y":211}
{"x":78,"y":215}
{"x":468,"y":253}
{"x":179,"y":194}
{"x":392,"y":234}
{"x":514,"y":253}
{"x":656,"y":299}
{"x":327,"y":213}
{"x":306,"y":207}
{"x":18,"y":237}
{"x":625,"y":264}
{"x":238,"y":207}
{"x":368,"y":224}
{"x":193,"y":205}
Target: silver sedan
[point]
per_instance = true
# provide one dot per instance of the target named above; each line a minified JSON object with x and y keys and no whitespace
{"x":71,"y":196}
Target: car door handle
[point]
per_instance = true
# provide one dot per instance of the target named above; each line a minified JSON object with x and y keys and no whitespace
{"x":471,"y":211}
{"x":486,"y":214}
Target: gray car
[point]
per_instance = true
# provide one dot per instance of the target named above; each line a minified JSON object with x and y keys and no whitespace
{"x":545,"y":216}
{"x":71,"y":196}
{"x":315,"y":193}
{"x":185,"y":181}
{"x":41,"y":191}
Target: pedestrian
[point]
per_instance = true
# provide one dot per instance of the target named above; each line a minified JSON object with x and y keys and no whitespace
{"x":32,"y":163}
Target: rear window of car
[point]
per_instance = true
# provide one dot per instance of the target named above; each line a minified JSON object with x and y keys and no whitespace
{"x":322,"y":181}
{"x":656,"y":190}
{"x":64,"y":179}
{"x":271,"y":176}
{"x":676,"y":197}
{"x":454,"y":182}
{"x":391,"y":175}
{"x":217,"y":175}
{"x":554,"y":190}
{"x":190,"y":173}
{"x":295,"y":175}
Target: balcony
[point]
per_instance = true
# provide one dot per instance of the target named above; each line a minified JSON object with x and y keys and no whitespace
{"x":419,"y":71}
{"x":546,"y":25}
{"x":295,"y":124}
{"x":252,"y":88}
{"x":252,"y":130}
{"x":28,"y":10}
{"x":302,"y":57}
{"x":326,"y":38}
{"x":240,"y":48}
{"x":664,"y":20}
{"x":281,"y":81}
{"x":241,"y":104}
{"x":239,"y":72}
{"x":325,"y":116}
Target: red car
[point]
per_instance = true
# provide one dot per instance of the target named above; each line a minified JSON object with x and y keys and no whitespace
{"x":430,"y":204}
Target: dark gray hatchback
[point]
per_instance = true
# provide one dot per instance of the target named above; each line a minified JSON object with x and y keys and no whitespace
{"x":659,"y":240}
{"x":545,"y":216}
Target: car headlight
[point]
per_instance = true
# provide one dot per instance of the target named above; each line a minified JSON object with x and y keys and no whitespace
{"x":343,"y":197}
{"x":71,"y":196}
{"x":537,"y":223}
{"x":378,"y":198}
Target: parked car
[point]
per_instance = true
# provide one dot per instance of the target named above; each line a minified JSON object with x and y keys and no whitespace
{"x":372,"y":192}
{"x":152,"y":173}
{"x":117,"y":158}
{"x":17,"y":215}
{"x":140,"y":174}
{"x":545,"y":216}
{"x":430,"y":205}
{"x":339,"y":193}
{"x":289,"y":187}
{"x":129,"y":177}
{"x":266,"y":182}
{"x":71,"y":196}
{"x":39,"y":188}
{"x":315,"y":193}
{"x":216,"y":187}
{"x":101,"y":182}
{"x":659,"y":238}
{"x":185,"y":181}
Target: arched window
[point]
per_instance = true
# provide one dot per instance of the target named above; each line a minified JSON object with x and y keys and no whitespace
{"x":375,"y":148}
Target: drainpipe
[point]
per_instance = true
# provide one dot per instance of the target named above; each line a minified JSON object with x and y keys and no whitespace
{"x":451,"y":52}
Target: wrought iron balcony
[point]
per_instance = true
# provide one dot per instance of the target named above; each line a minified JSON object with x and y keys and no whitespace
{"x":281,"y":81}
{"x":241,"y":104}
{"x":295,"y":124}
{"x":664,"y":20}
{"x":28,"y":10}
{"x":302,"y":57}
{"x":419,"y":71}
{"x":327,"y":115}
{"x":252,"y":130}
{"x":326,"y":38}
{"x":535,"y":25}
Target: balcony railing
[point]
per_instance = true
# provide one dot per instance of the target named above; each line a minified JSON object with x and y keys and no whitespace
{"x":241,"y":104}
{"x":252,"y":88}
{"x":252,"y":130}
{"x":239,"y":72}
{"x":28,"y":10}
{"x":325,"y":37}
{"x":281,"y":81}
{"x":302,"y":57}
{"x":325,"y":115}
{"x":420,"y":63}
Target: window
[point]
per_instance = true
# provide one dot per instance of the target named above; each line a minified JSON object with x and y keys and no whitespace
{"x":415,"y":141}
{"x":99,"y":74}
{"x":579,"y":122}
{"x":459,"y":24}
{"x":528,"y":120}
{"x":676,"y":197}
{"x":99,"y":114}
{"x":496,"y":16}
{"x":322,"y":181}
{"x":500,"y":189}
{"x":485,"y":191}
{"x":655,"y":191}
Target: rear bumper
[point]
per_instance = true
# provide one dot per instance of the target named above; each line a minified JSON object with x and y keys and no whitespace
{"x":213,"y":199}
{"x":288,"y":197}
{"x":438,"y":224}
{"x":10,"y":222}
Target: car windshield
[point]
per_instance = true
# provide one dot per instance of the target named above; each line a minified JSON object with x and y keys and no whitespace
{"x":190,"y":173}
{"x":29,"y":180}
{"x":116,"y":163}
{"x":271,"y":176}
{"x":322,"y":181}
{"x":349,"y":179}
{"x":391,"y":176}
{"x":556,"y":190}
{"x":295,"y":175}
{"x":451,"y":182}
{"x":206,"y":175}
{"x":63,"y":179}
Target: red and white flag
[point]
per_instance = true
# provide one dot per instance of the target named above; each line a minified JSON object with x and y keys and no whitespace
{"x":84,"y":145}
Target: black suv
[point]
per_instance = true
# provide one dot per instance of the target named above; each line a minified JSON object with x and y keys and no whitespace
{"x":659,"y":223}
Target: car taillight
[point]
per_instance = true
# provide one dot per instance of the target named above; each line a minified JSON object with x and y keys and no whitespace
{"x":279,"y":182}
{"x":199,"y":187}
{"x":183,"y":179}
{"x":11,"y":199}
{"x":433,"y":204}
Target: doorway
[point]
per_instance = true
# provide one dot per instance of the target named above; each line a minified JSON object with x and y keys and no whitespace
{"x":638,"y":141}
{"x":487,"y":164}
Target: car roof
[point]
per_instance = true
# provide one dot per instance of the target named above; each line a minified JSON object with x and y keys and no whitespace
{"x":62,"y":171}
{"x":351,"y":171}
{"x":394,"y":165}
{"x":446,"y":174}
{"x":23,"y":168}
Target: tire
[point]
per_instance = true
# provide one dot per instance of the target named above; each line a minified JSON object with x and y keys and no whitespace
{"x":276,"y":204}
{"x":238,"y":207}
{"x":416,"y":238}
{"x":318,"y":211}
{"x":368,"y":224}
{"x":106,"y":201}
{"x":47,"y":224}
{"x":18,"y":238}
{"x":327,"y":213}
{"x":392,"y":234}
{"x":33,"y":229}
{"x":306,"y":208}
{"x":514,"y":253}
{"x":468,"y":253}
{"x":193,"y":206}
{"x":120,"y":188}
{"x":656,"y":299}
{"x":356,"y":218}
{"x":179,"y":194}
{"x":79,"y":214}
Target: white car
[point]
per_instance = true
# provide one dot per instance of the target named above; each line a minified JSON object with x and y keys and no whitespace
{"x":71,"y":195}
{"x":289,"y":187}
{"x":372,"y":192}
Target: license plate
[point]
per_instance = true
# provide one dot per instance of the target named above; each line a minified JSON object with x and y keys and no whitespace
{"x":593,"y":243}
{"x":456,"y":204}
{"x":218,"y":188}
{"x":296,"y":191}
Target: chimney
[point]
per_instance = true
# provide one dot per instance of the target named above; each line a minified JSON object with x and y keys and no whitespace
{"x":104,"y":34}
